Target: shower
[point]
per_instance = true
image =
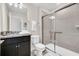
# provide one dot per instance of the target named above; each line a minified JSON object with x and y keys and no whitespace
{"x":58,"y":31}
{"x":52,"y":18}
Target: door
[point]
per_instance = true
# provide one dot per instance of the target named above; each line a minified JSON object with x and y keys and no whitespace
{"x":24,"y":48}
{"x":66,"y":31}
{"x":66,"y":22}
{"x":10,"y":50}
{"x":47,"y":28}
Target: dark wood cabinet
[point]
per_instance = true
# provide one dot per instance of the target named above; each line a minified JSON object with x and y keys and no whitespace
{"x":10,"y":50}
{"x":0,"y":49}
{"x":16,"y":46}
{"x":23,"y":49}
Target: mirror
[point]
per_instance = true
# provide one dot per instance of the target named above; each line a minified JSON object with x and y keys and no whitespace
{"x":17,"y":17}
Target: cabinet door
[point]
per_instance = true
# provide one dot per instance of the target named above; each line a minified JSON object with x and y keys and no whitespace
{"x":10,"y":50}
{"x":0,"y":49}
{"x":24,"y":49}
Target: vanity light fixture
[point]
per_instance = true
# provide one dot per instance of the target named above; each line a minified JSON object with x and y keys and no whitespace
{"x":20,"y":5}
{"x":10,"y":4}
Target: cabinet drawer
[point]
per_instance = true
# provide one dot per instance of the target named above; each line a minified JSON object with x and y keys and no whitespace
{"x":16,"y":39}
{"x":23,"y":39}
{"x":10,"y":41}
{"x":9,"y":50}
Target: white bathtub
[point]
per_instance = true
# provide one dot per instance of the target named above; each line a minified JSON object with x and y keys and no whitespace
{"x":62,"y":51}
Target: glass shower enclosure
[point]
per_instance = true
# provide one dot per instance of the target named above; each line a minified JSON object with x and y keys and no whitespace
{"x":61,"y":31}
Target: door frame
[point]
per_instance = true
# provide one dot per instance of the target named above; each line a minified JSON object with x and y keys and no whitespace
{"x":41,"y":21}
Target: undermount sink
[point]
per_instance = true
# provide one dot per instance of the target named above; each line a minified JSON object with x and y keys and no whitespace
{"x":24,"y":32}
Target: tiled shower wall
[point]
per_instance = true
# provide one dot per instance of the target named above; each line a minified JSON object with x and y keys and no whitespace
{"x":66,"y":21}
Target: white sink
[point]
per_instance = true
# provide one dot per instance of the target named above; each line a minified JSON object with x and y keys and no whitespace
{"x":24,"y":32}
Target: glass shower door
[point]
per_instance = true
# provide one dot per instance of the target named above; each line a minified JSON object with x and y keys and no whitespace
{"x":49,"y":32}
{"x":63,"y":31}
{"x":67,"y":36}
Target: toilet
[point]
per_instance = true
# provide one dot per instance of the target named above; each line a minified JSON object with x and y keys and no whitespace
{"x":39,"y":47}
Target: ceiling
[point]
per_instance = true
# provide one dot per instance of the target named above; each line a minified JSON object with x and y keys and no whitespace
{"x":48,"y":6}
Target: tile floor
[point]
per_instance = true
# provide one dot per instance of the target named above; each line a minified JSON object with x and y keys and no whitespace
{"x":47,"y":52}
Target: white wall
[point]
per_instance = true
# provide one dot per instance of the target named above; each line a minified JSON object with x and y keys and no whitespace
{"x":35,"y":14}
{"x":0,"y":19}
{"x":3,"y":17}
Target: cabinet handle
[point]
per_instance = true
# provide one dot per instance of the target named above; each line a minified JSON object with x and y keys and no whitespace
{"x":17,"y":46}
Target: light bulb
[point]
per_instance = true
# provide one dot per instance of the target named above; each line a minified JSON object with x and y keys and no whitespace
{"x":20,"y":5}
{"x":15,"y":5}
{"x":10,"y":4}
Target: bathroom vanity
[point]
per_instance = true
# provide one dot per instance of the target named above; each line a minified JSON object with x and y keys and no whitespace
{"x":16,"y":45}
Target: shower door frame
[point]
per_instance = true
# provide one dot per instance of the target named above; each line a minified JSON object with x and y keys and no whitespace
{"x":68,"y":5}
{"x":54,"y":33}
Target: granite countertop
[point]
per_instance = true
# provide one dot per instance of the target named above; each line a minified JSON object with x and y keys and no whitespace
{"x":1,"y":41}
{"x":14,"y":35}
